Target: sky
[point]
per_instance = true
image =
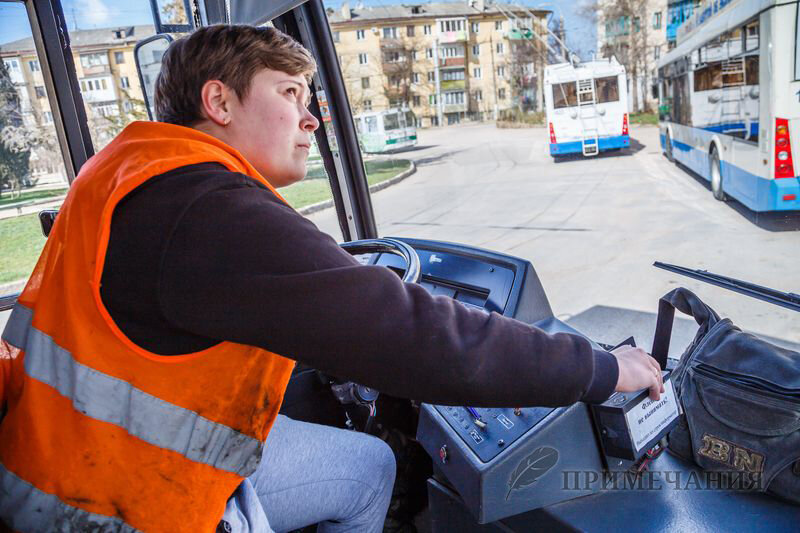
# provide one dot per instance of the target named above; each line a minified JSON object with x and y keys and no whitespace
{"x":87,"y":14}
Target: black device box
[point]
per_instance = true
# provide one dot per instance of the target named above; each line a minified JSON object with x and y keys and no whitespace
{"x":630,"y":424}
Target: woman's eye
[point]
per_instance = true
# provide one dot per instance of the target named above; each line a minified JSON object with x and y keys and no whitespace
{"x":292,"y":91}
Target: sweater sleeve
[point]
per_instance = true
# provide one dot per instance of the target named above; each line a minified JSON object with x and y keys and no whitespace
{"x":244,"y":267}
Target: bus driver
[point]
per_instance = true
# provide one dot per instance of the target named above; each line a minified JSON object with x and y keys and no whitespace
{"x":144,"y":364}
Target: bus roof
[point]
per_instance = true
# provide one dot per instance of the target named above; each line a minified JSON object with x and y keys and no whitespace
{"x":564,"y":72}
{"x":708,"y":25}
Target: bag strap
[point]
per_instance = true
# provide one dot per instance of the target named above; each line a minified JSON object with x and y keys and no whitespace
{"x":686,"y":302}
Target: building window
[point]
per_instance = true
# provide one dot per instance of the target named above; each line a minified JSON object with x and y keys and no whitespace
{"x":124,"y":82}
{"x":416,"y":100}
{"x":12,"y":65}
{"x":451,"y":25}
{"x":39,"y":91}
{"x":395,"y":81}
{"x":336,"y":36}
{"x":476,"y":49}
{"x":390,"y":32}
{"x":657,"y":20}
{"x":475,"y":27}
{"x":426,"y":29}
{"x":34,"y":65}
{"x":368,"y":105}
{"x":431,"y":76}
{"x":365,"y":83}
{"x":359,"y":35}
{"x":432,"y":99}
{"x":656,"y":52}
{"x":478,"y":95}
{"x":127,"y":106}
{"x":501,"y":94}
{"x":452,"y":75}
{"x":500,"y":48}
{"x":410,"y":31}
{"x":501,"y":72}
{"x":452,"y":51}
{"x":413,"y":55}
{"x":392,"y":57}
{"x":498,"y":24}
{"x":363,"y":59}
{"x":47,"y":116}
{"x":94,"y":60}
{"x":119,"y":58}
{"x":476,"y":73}
{"x":429,"y":53}
{"x":415,"y":77}
{"x":637,"y":24}
{"x":454,"y":98}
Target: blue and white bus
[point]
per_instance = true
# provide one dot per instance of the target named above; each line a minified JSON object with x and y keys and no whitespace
{"x":729,"y":101}
{"x":586,"y":107}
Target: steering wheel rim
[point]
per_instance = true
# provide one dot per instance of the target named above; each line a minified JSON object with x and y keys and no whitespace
{"x":389,"y":246}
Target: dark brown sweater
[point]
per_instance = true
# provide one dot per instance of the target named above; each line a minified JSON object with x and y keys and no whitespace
{"x":200,"y":255}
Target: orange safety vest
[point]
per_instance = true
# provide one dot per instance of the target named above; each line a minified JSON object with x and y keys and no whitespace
{"x":98,"y":431}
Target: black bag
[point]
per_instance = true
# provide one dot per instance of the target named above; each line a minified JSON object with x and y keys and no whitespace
{"x":741,"y":400}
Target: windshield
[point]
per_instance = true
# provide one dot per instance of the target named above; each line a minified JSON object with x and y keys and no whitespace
{"x":490,"y":171}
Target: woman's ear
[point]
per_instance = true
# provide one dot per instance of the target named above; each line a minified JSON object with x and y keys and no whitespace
{"x":215,"y":97}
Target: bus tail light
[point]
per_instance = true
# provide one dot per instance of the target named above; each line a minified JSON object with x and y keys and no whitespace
{"x":552,"y":134}
{"x":784,"y":167}
{"x":625,"y":124}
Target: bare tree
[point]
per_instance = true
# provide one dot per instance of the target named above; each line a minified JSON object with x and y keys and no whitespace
{"x":627,"y":33}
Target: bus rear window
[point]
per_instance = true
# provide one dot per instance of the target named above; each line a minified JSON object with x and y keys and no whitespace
{"x":607,"y":89}
{"x":390,"y":122}
{"x":564,"y":95}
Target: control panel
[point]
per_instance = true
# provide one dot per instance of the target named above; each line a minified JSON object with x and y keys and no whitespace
{"x":488,"y":431}
{"x":517,"y":453}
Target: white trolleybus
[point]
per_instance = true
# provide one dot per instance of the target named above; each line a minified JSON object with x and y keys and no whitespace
{"x":385,"y":131}
{"x":587,"y":107}
{"x":729,"y":101}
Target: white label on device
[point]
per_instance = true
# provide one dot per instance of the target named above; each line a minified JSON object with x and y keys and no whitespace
{"x":649,"y":417}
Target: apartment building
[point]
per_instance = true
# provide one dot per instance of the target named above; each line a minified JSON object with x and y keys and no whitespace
{"x":446,"y":61}
{"x":636,"y":34}
{"x":105,"y":67}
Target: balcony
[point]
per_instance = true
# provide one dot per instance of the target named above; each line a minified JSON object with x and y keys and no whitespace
{"x":454,"y":108}
{"x":453,"y":85}
{"x":454,"y":62}
{"x":518,"y":34}
{"x":452,"y":36}
{"x":95,"y":70}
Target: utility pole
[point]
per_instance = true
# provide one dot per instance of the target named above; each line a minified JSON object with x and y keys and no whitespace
{"x":494,"y":74}
{"x":438,"y":83}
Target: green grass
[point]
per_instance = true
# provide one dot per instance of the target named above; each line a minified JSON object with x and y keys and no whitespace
{"x":644,"y":118}
{"x":315,"y":188}
{"x":21,"y":242}
{"x":21,"y":239}
{"x":29,"y":196}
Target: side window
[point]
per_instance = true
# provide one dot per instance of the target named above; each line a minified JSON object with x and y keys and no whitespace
{"x":32,"y":172}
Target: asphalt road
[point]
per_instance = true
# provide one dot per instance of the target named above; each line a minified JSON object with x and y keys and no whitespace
{"x":593,"y":227}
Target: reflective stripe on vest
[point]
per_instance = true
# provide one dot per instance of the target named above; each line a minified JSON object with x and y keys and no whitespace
{"x":117,"y":402}
{"x":30,"y":509}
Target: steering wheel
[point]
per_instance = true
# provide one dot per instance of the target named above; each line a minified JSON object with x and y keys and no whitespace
{"x":390,"y":246}
{"x":349,"y":392}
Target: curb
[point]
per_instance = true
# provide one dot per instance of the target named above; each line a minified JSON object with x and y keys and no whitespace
{"x":313,"y":208}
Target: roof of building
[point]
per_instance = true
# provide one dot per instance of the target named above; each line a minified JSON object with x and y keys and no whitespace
{"x":432,"y":10}
{"x":106,"y":37}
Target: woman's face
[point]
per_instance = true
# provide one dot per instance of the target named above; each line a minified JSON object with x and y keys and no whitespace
{"x":272,"y":126}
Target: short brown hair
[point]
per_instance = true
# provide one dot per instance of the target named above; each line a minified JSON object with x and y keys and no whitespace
{"x":232,"y":54}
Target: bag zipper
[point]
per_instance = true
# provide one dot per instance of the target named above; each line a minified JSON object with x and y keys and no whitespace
{"x":748,"y":383}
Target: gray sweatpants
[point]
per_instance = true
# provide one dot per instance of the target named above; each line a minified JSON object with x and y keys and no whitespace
{"x":315,"y":474}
